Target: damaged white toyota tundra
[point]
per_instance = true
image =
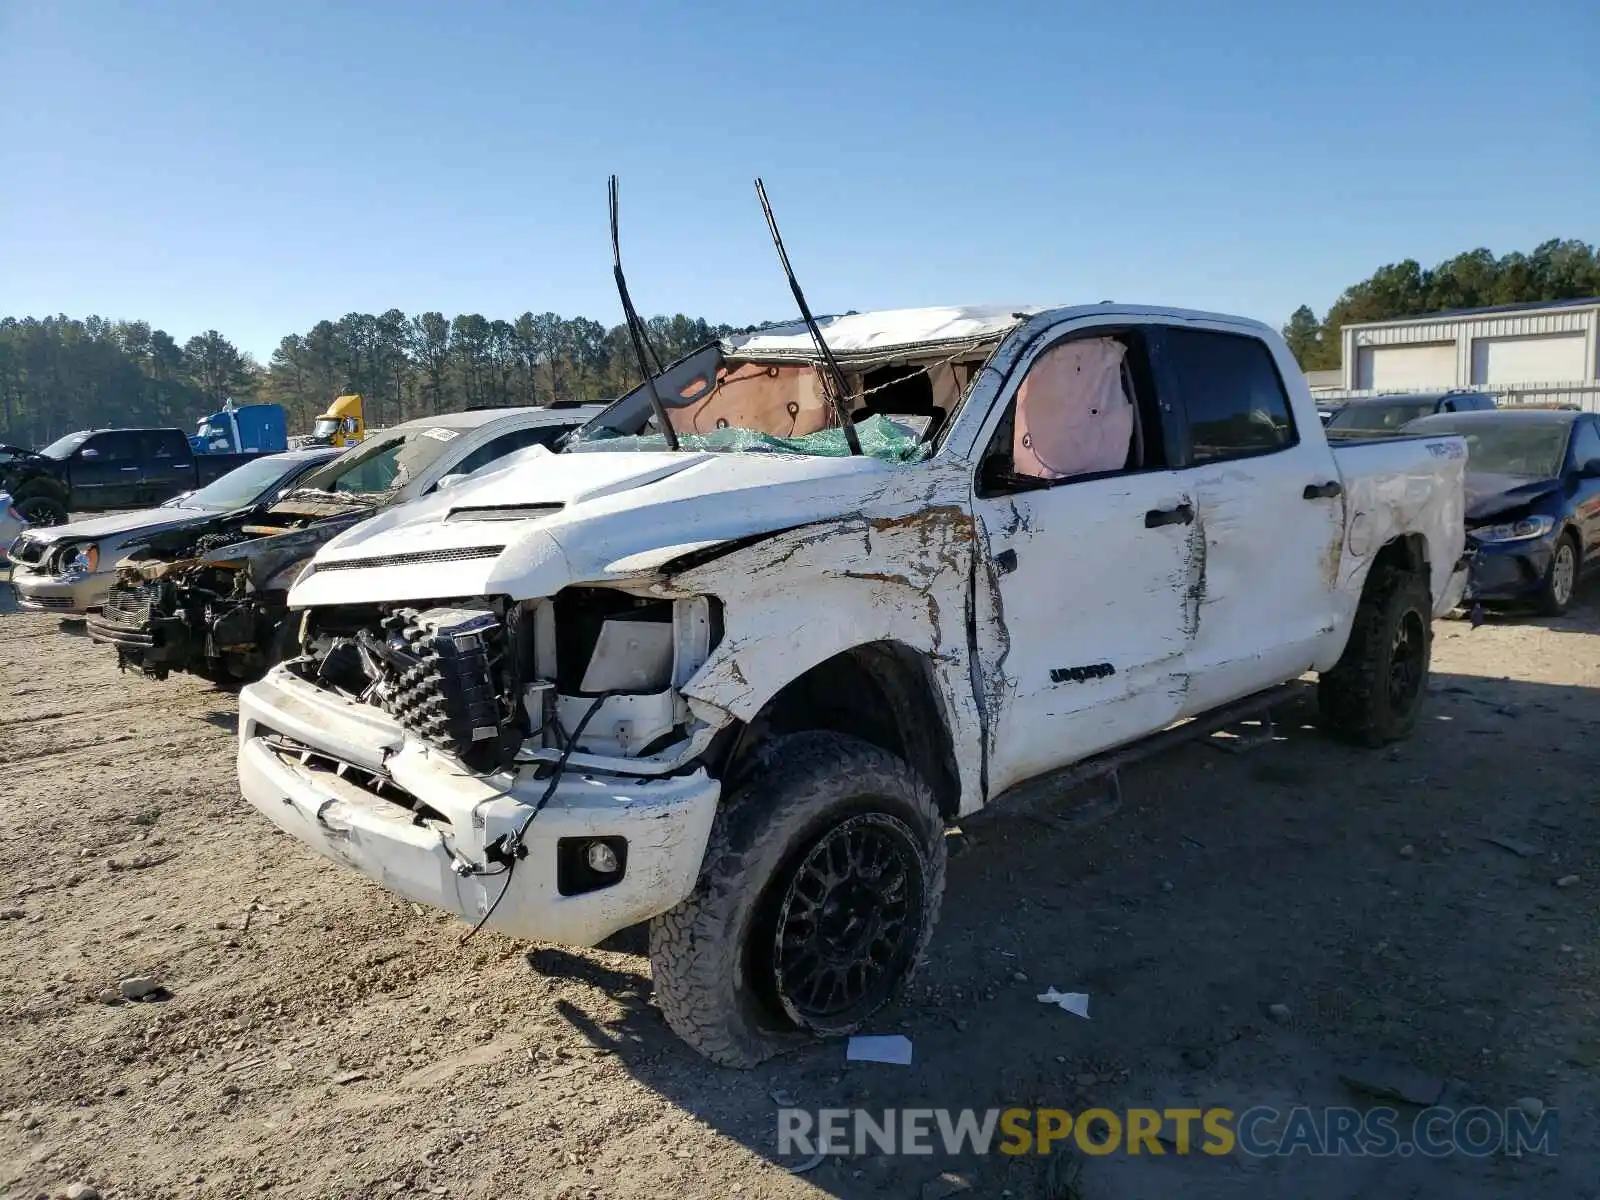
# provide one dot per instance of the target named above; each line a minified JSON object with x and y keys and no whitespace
{"x":734,"y":677}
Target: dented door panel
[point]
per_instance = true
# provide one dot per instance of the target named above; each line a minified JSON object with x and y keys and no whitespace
{"x":1083,"y":621}
{"x":1267,"y":561}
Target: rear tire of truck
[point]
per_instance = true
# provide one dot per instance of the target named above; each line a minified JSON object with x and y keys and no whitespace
{"x":816,"y":900}
{"x":1374,"y":694}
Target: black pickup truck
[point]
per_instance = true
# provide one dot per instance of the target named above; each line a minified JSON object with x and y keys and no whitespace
{"x":97,"y":470}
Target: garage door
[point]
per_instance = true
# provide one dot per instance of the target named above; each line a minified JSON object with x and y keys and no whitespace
{"x":1554,"y":358}
{"x":1391,"y":368}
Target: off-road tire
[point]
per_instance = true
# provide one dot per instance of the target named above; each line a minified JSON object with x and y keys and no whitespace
{"x":40,"y":510}
{"x":1354,"y":696}
{"x":702,"y":951}
{"x":1549,"y":601}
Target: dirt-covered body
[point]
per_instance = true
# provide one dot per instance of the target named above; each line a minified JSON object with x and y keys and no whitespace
{"x":605,"y":669}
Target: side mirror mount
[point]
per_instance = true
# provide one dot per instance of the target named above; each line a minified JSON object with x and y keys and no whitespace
{"x":449,"y":481}
{"x":88,"y":452}
{"x":1590,"y":469}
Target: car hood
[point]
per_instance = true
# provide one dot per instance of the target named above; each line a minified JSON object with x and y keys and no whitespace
{"x":144,"y":520}
{"x":1489,"y":495}
{"x":549,"y":520}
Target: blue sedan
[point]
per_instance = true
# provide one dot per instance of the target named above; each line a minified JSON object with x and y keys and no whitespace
{"x":1533,"y":502}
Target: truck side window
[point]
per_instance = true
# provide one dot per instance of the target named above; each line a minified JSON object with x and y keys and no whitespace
{"x":1236,"y":403}
{"x":114,"y":447}
{"x":1085,"y":409}
{"x":160,"y":444}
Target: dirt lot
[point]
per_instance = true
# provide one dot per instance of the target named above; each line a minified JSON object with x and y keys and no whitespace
{"x":321,"y":1038}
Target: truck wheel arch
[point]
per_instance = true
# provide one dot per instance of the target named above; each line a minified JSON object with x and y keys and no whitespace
{"x":1406,"y":552}
{"x":881,"y":692}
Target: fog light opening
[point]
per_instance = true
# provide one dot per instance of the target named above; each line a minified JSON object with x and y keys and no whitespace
{"x":585,"y":864}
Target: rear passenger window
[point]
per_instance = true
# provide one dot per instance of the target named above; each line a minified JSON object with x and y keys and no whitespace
{"x":1234,"y":399}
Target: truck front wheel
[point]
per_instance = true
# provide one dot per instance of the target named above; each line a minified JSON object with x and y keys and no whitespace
{"x":816,"y":900}
{"x":41,"y":510}
{"x":1374,"y":694}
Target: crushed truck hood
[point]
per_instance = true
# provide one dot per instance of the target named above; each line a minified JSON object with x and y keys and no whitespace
{"x":550,"y":520}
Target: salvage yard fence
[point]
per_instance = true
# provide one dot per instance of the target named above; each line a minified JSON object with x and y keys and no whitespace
{"x":1583,"y":395}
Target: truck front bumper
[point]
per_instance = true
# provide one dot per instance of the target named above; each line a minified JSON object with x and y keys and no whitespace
{"x":345,"y":779}
{"x":73,"y":596}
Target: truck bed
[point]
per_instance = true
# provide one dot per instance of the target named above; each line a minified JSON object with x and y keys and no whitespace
{"x":1403,"y":482}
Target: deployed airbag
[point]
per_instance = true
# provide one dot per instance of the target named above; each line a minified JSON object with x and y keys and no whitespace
{"x":1074,"y":417}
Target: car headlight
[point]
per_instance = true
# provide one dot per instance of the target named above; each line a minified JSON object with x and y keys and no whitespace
{"x":81,"y":560}
{"x":1516,"y":531}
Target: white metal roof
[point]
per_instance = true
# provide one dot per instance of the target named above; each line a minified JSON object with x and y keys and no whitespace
{"x":888,"y":330}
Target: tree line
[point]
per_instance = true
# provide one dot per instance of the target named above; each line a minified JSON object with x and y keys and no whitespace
{"x":59,"y":374}
{"x":1555,"y":270}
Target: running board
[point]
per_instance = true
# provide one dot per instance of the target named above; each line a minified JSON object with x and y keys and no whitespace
{"x":1049,"y":786}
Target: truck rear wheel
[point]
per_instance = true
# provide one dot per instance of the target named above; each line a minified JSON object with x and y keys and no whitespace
{"x":818,"y":895}
{"x":1374,"y":694}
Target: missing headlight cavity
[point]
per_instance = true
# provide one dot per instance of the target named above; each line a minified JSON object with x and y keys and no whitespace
{"x":610,"y":641}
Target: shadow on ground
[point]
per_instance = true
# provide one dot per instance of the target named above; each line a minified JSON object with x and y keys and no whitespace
{"x":1353,"y":888}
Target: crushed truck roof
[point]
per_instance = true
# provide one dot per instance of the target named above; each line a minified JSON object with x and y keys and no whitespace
{"x":875,"y":334}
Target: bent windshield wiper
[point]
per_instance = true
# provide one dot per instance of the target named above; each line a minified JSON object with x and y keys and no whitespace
{"x":833,"y":378}
{"x":636,"y":332}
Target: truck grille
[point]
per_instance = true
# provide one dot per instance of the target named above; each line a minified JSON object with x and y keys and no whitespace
{"x":440,"y":683}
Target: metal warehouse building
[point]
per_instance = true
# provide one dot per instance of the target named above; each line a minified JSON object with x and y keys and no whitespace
{"x":1546,"y":353}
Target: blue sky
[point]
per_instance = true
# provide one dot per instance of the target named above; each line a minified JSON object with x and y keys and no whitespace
{"x":257,"y":167}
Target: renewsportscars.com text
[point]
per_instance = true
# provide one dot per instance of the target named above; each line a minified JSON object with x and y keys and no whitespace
{"x":1258,"y":1132}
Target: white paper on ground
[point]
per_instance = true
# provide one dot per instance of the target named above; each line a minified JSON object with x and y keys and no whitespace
{"x":881,"y":1048}
{"x":1076,"y":1003}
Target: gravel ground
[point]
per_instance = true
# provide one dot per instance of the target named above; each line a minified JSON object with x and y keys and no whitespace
{"x":316,"y":1037}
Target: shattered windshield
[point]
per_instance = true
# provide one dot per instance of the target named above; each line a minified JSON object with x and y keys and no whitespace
{"x":898,"y":404}
{"x":381,"y":465}
{"x":880,"y":438}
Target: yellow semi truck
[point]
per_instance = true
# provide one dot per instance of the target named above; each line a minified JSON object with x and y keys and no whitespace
{"x":341,"y":425}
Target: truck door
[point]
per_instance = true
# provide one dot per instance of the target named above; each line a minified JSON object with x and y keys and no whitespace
{"x":104,"y":471}
{"x":168,"y":465}
{"x":1084,"y":556}
{"x":1270,"y":515}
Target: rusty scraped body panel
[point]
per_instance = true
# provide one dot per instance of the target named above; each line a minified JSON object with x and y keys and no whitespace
{"x":899,"y":571}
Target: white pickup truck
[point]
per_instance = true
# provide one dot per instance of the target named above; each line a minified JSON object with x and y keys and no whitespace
{"x":738,"y":689}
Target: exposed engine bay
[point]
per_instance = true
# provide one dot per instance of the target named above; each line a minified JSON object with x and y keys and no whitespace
{"x":596,"y":670}
{"x":211,"y":601}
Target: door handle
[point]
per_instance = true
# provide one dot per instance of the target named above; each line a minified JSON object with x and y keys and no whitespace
{"x":1323,"y":491}
{"x":1006,"y":560}
{"x":130,"y":468}
{"x":1183,"y":514}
